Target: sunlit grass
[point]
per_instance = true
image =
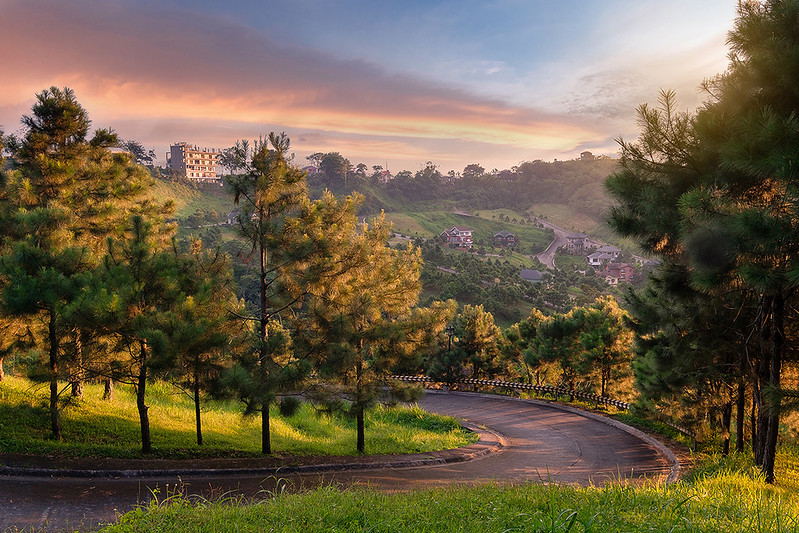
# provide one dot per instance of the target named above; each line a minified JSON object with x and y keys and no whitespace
{"x":724,"y":500}
{"x":95,"y":427}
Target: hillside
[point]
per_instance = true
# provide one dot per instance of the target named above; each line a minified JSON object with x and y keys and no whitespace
{"x":429,"y":224}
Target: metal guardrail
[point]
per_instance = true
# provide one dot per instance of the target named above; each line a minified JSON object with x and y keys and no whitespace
{"x":542,"y":389}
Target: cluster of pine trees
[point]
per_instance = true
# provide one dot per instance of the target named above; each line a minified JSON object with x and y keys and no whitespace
{"x":714,"y":195}
{"x":95,"y":285}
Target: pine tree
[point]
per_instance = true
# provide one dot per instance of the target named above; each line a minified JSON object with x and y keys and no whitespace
{"x":63,"y":195}
{"x":199,"y":329}
{"x":269,"y":192}
{"x":359,"y":323}
{"x":478,"y":338}
{"x":132,"y":299}
{"x":604,"y":340}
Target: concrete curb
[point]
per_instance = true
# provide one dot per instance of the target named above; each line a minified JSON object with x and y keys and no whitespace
{"x":490,"y":442}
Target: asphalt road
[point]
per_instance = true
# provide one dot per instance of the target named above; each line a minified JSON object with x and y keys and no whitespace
{"x":541,"y":443}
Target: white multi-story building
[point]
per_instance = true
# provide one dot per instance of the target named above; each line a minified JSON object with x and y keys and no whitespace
{"x":195,"y":163}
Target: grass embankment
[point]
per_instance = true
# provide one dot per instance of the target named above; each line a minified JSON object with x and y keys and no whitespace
{"x":95,"y":427}
{"x":427,"y":224}
{"x":188,"y":199}
{"x":725,"y":497}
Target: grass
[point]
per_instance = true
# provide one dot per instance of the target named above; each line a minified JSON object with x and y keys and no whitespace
{"x":94,"y":427}
{"x":564,"y":216}
{"x":724,"y":497}
{"x":429,"y":224}
{"x":188,"y":199}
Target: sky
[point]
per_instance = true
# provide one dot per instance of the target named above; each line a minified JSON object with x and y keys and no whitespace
{"x":390,"y":83}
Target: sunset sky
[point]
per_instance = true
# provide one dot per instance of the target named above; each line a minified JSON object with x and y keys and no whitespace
{"x":382,"y":82}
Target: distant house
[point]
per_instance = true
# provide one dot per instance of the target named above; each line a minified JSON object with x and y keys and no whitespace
{"x":577,"y":242}
{"x":587,"y":156}
{"x":504,"y":239}
{"x":533,"y":276}
{"x":615,"y":273}
{"x":612,"y":250}
{"x":458,"y":237}
{"x":600,"y":258}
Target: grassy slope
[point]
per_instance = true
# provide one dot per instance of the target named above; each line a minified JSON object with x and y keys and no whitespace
{"x":188,"y":200}
{"x":428,"y":224}
{"x":94,"y":427}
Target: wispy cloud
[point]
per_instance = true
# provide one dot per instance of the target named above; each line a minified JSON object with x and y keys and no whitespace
{"x":128,"y":64}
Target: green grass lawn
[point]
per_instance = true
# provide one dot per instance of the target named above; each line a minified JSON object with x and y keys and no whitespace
{"x":725,"y":496}
{"x":94,"y":427}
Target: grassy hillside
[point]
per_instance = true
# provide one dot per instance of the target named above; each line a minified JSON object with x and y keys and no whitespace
{"x":427,"y":224}
{"x":188,"y":199}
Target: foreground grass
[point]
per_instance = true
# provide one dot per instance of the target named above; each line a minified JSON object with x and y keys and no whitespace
{"x":721,"y":494}
{"x":94,"y":427}
{"x":723,"y":501}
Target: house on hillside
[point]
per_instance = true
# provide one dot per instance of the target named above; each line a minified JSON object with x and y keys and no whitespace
{"x":577,"y":242}
{"x":600,"y":258}
{"x":612,"y":250}
{"x":457,"y":237}
{"x":615,"y":273}
{"x":504,"y":239}
{"x":533,"y":276}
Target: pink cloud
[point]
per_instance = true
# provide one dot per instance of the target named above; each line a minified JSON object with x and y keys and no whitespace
{"x":213,"y":77}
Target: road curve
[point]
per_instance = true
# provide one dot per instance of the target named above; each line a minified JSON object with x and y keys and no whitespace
{"x":542,"y":443}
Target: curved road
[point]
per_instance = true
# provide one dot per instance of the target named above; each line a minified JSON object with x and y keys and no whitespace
{"x":542,"y":442}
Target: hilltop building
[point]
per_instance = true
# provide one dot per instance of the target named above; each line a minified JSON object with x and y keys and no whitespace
{"x":194,"y":163}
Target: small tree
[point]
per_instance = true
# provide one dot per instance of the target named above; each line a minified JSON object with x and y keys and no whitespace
{"x":360,"y":323}
{"x":269,"y":192}
{"x":478,"y":338}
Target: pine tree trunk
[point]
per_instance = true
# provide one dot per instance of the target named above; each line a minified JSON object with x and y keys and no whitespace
{"x":762,"y":369}
{"x":197,"y":411}
{"x":777,"y":347}
{"x":108,"y":389}
{"x":76,"y":376}
{"x":753,"y":422}
{"x":604,"y":381}
{"x":263,"y":331}
{"x":266,"y":444}
{"x":141,"y":388}
{"x":55,"y":420}
{"x":726,"y":420}
{"x":361,"y":431}
{"x":740,"y":411}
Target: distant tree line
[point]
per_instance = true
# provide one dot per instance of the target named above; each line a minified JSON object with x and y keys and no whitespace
{"x":578,"y":183}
